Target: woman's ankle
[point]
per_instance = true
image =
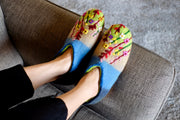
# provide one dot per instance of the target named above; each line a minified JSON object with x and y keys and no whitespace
{"x":63,"y":63}
{"x":89,"y":84}
{"x":86,"y":89}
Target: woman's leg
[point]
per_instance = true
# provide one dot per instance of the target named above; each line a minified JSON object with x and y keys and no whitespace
{"x":45,"y":108}
{"x":47,"y":72}
{"x":86,"y":89}
{"x":62,"y":106}
{"x":40,"y":74}
{"x":21,"y":81}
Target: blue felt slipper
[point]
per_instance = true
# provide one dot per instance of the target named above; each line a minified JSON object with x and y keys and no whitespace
{"x":110,"y":56}
{"x":84,"y":35}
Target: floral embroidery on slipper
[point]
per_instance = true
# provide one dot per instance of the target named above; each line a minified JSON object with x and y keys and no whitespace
{"x":106,"y":45}
{"x":122,"y":36}
{"x":85,"y":31}
{"x":117,"y":42}
{"x":125,"y":53}
{"x":94,"y":34}
{"x":93,"y":19}
{"x":101,"y":18}
{"x":110,"y":36}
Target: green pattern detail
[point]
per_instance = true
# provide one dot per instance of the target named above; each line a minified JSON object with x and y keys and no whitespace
{"x":123,"y":48}
{"x":127,"y":32}
{"x":123,"y":30}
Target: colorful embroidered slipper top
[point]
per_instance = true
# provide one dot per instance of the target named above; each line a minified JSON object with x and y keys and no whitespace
{"x":111,"y":56}
{"x":84,"y":35}
{"x":115,"y":46}
{"x":88,"y":27}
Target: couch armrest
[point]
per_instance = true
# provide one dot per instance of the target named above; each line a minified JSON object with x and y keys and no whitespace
{"x":39,"y":29}
{"x":8,"y":55}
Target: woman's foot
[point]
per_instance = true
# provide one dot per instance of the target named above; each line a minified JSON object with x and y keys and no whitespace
{"x":86,"y":89}
{"x":63,"y":63}
{"x":111,"y":56}
{"x":47,"y":72}
{"x":115,"y":46}
{"x":89,"y":84}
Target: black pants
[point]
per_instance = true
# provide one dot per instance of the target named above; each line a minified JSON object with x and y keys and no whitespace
{"x":19,"y":89}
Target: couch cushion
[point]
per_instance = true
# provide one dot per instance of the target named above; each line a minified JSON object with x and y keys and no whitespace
{"x":8,"y":54}
{"x":84,"y":113}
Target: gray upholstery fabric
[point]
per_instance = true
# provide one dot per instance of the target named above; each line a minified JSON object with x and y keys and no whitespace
{"x":140,"y":91}
{"x":8,"y":54}
{"x":39,"y":31}
{"x":85,"y":113}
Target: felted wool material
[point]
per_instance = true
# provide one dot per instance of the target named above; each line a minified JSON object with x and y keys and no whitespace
{"x":88,"y":27}
{"x":79,"y":51}
{"x":108,"y":76}
{"x":84,"y":35}
{"x":115,"y":46}
{"x":111,"y":56}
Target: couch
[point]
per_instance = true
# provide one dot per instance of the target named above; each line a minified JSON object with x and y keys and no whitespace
{"x":32,"y":32}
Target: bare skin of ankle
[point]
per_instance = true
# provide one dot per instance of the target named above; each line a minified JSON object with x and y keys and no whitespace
{"x":47,"y":72}
{"x":86,"y":89}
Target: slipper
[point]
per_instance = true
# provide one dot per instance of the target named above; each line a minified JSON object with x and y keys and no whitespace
{"x":83,"y":35}
{"x":111,"y":56}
